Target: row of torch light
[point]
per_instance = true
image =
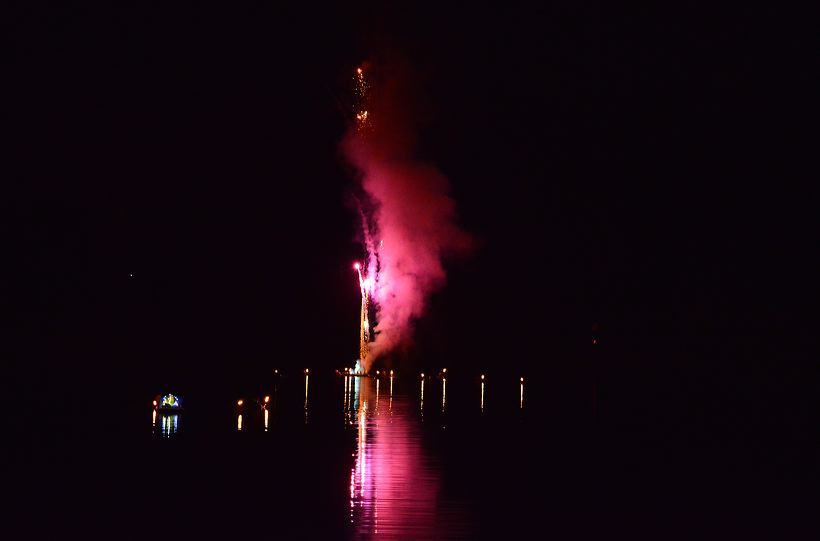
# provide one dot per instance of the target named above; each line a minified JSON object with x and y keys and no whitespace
{"x":442,"y":374}
{"x":380,"y":373}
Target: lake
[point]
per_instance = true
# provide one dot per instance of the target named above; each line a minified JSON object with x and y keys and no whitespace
{"x":334,"y":457}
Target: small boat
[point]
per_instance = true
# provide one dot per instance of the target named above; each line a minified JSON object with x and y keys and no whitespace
{"x":169,"y":404}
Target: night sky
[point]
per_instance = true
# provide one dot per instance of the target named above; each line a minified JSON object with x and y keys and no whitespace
{"x":638,"y":172}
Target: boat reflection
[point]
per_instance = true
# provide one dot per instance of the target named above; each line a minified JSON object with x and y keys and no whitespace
{"x":169,"y":425}
{"x":394,"y":486}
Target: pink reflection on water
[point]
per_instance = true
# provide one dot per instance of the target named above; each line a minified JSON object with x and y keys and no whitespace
{"x":394,"y":487}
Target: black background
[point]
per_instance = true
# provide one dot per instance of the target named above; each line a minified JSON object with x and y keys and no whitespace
{"x":631,"y":175}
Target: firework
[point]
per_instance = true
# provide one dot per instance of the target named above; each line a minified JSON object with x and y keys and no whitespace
{"x":365,"y":285}
{"x":408,"y":220}
{"x":362,"y":105}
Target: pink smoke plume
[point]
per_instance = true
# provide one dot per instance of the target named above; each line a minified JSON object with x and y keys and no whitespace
{"x":408,"y":218}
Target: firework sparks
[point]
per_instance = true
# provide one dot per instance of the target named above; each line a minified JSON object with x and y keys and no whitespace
{"x":361,"y":107}
{"x":407,"y":217}
{"x":365,"y":285}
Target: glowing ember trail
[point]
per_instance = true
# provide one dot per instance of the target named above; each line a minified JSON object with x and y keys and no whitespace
{"x":407,"y":217}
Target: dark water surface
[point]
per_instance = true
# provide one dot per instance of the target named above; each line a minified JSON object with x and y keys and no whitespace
{"x":360,"y":458}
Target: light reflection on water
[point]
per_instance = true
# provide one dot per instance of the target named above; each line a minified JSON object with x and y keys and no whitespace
{"x":306,"y":396}
{"x":395,"y":488}
{"x":421,"y":403}
{"x":169,"y":424}
{"x":395,"y":483}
